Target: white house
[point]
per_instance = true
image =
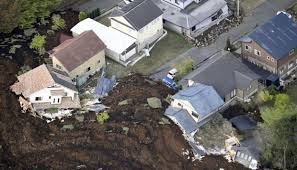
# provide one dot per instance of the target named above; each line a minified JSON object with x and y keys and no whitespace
{"x":192,"y":17}
{"x":45,"y":87}
{"x":140,"y":19}
{"x":191,"y":107}
{"x":119,"y":46}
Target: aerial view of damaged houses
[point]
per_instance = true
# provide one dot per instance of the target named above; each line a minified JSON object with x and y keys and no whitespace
{"x":148,"y":84}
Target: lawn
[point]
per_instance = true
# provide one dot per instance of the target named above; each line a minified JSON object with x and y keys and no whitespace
{"x":165,"y":50}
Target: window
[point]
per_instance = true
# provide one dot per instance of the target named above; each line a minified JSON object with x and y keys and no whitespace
{"x":58,"y":66}
{"x":258,"y":53}
{"x":247,"y":48}
{"x":233,"y":93}
{"x":268,"y":58}
{"x":193,"y":28}
{"x":179,"y":104}
{"x":58,"y":100}
{"x":88,"y":69}
{"x":38,"y":98}
{"x":49,"y":97}
{"x":291,"y":52}
{"x":272,"y":59}
{"x":281,"y":70}
{"x":196,"y":116}
{"x":219,"y":13}
{"x":65,"y":94}
{"x":176,"y":1}
{"x":250,"y":158}
{"x":98,"y":61}
{"x":291,"y":64}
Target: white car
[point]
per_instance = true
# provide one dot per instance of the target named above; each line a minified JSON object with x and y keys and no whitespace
{"x":172,"y":73}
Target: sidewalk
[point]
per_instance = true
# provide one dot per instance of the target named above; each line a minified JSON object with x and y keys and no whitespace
{"x":250,"y":22}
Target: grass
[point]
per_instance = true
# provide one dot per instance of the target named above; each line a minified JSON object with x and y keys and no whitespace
{"x":165,"y":50}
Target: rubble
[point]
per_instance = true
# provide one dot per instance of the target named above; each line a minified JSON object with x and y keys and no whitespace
{"x":154,"y":102}
{"x":210,"y":36}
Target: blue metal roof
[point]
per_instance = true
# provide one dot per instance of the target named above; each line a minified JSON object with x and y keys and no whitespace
{"x":278,"y":36}
{"x":104,"y":85}
{"x":183,"y":118}
{"x":203,"y":98}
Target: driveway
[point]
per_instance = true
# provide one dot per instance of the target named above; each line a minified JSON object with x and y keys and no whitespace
{"x":256,"y":17}
{"x":104,"y":5}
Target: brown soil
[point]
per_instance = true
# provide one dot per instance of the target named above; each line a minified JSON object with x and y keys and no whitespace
{"x":30,"y":143}
{"x":238,"y":109}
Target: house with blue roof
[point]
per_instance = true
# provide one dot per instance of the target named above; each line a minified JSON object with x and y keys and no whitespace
{"x":190,"y":108}
{"x":272,"y":46}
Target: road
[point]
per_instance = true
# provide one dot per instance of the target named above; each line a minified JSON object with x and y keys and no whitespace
{"x":256,"y":17}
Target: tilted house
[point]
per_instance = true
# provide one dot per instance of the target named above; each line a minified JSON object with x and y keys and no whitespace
{"x":140,"y":19}
{"x":190,"y":108}
{"x":229,"y":76}
{"x":45,"y":87}
{"x":80,"y":57}
{"x":192,"y":17}
{"x":119,"y":46}
{"x":272,"y":45}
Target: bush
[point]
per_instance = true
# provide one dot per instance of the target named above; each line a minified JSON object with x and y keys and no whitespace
{"x":229,"y":46}
{"x":265,"y":96}
{"x":184,"y":68}
{"x":52,"y":110}
{"x":23,"y":70}
{"x":86,"y":96}
{"x":37,"y":43}
{"x":82,"y":15}
{"x":95,"y":13}
{"x":102,"y":117}
{"x":58,"y":22}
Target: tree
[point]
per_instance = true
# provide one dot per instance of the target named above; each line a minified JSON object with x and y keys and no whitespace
{"x":58,"y":22}
{"x":265,"y":96}
{"x":281,"y":123}
{"x":24,"y":13}
{"x":229,"y":46}
{"x":184,"y":68}
{"x":102,"y":117}
{"x":38,"y":43}
{"x":82,"y":15}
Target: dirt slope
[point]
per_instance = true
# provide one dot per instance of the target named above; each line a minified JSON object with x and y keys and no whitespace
{"x":30,"y":143}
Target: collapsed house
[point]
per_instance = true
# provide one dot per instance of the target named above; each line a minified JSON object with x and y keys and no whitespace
{"x":192,"y":107}
{"x":192,"y":17}
{"x":45,"y":88}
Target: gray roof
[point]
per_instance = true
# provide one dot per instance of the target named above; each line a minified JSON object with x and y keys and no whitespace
{"x":188,"y":19}
{"x":61,"y":78}
{"x":243,"y":122}
{"x":204,"y":99}
{"x":138,"y":13}
{"x":278,"y":36}
{"x":225,"y":74}
{"x":183,"y":118}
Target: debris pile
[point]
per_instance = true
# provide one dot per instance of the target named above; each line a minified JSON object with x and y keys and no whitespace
{"x":210,"y":36}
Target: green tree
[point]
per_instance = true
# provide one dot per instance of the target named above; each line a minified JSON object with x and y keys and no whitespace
{"x":24,"y":13}
{"x":38,"y":43}
{"x":102,"y":117}
{"x":82,"y":15}
{"x":265,"y":96}
{"x":58,"y":22}
{"x":184,"y":68}
{"x":280,"y":121}
{"x":23,"y":69}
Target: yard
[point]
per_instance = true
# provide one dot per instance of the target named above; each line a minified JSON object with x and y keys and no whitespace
{"x":165,"y":50}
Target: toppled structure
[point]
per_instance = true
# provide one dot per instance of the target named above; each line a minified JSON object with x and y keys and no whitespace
{"x":47,"y":88}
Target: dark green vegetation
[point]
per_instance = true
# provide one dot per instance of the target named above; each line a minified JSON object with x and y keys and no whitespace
{"x":24,"y":13}
{"x":280,"y":130}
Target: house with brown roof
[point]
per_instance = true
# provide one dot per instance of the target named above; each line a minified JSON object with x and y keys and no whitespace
{"x":80,"y":57}
{"x":45,"y":87}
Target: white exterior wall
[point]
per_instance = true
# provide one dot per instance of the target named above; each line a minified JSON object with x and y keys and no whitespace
{"x":180,"y":4}
{"x":145,"y":36}
{"x":46,"y":93}
{"x":127,"y":28}
{"x":150,"y":32}
{"x":184,"y":105}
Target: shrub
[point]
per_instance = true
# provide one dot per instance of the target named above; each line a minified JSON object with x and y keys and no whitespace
{"x":37,"y":43}
{"x":23,"y":70}
{"x":265,"y":96}
{"x":102,"y":117}
{"x":229,"y":46}
{"x":86,"y":96}
{"x":184,"y":68}
{"x":95,"y":13}
{"x":58,"y":22}
{"x":52,"y":110}
{"x":82,"y":15}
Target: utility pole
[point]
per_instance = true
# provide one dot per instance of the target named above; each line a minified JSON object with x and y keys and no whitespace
{"x":238,"y":6}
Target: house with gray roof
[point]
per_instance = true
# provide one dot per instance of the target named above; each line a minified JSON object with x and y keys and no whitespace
{"x":272,"y":45}
{"x":192,"y":17}
{"x":140,"y":19}
{"x":190,"y":108}
{"x":45,"y":87}
{"x":228,"y":75}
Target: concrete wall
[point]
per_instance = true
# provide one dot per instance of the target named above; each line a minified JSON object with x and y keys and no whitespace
{"x":80,"y":74}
